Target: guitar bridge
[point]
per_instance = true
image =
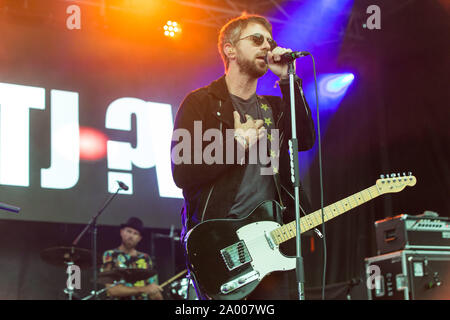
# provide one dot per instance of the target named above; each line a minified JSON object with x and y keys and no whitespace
{"x":236,"y":255}
{"x":239,"y":282}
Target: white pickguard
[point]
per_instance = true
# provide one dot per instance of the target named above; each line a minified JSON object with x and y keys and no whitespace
{"x":264,"y":259}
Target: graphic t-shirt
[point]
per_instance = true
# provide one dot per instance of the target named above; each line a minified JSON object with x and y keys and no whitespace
{"x":255,"y":187}
{"x":116,"y":259}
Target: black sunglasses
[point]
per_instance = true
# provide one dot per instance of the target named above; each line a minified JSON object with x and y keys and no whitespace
{"x":258,"y":39}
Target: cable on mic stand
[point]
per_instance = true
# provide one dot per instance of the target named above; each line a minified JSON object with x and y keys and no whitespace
{"x":290,"y":58}
{"x":319,"y":141}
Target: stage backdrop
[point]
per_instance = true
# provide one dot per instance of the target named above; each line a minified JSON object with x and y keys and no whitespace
{"x":83,"y":109}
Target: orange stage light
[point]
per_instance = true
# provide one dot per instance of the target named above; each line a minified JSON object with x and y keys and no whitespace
{"x":172,"y":29}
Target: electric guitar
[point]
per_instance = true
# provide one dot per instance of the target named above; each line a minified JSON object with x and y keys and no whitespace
{"x":228,"y":258}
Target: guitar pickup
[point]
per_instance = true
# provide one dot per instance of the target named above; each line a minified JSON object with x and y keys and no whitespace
{"x":236,"y":255}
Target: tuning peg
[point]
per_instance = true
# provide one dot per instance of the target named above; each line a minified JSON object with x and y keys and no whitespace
{"x":410,"y":173}
{"x":404,"y":174}
{"x":392,"y":175}
{"x":381,"y":176}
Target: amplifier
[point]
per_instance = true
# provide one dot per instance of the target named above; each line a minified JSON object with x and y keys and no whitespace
{"x":409,"y":275}
{"x":427,"y":231}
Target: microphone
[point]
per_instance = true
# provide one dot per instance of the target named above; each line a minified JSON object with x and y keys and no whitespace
{"x":290,"y":56}
{"x":7,"y":207}
{"x":122,"y":185}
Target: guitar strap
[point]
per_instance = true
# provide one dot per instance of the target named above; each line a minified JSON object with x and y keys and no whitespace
{"x":267,"y":115}
{"x":276,"y":179}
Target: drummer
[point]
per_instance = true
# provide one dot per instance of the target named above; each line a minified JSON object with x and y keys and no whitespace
{"x":126,"y":256}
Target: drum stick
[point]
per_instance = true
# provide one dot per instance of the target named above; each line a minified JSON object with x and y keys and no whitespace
{"x":173,"y":278}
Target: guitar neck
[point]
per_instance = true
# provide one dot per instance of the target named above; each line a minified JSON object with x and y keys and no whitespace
{"x":312,"y":220}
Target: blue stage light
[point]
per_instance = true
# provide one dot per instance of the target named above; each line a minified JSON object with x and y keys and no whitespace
{"x":332,"y":89}
{"x":335,"y":85}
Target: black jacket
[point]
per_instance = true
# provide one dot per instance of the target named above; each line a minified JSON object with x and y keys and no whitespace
{"x":209,"y":190}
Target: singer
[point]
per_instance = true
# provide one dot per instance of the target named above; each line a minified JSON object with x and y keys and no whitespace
{"x":214,"y":191}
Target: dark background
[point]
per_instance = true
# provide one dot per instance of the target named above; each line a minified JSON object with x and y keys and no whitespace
{"x":394,"y":118}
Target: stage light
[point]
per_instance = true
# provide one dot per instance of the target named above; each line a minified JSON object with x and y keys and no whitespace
{"x":92,"y":144}
{"x":338,"y":83}
{"x":335,"y":85}
{"x":332,"y":89}
{"x":172,"y":29}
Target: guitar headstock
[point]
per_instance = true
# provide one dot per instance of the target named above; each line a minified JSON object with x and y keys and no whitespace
{"x":395,"y":182}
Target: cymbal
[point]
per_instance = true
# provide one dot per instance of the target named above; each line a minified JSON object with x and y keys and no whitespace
{"x":130,"y":275}
{"x":61,"y":256}
{"x":108,"y":277}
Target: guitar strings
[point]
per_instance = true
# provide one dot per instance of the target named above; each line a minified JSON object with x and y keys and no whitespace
{"x":305,"y":222}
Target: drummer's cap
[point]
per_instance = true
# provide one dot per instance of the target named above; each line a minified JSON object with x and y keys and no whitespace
{"x":134,"y":223}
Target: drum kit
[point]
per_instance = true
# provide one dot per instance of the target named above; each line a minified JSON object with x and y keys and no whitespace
{"x":74,"y":256}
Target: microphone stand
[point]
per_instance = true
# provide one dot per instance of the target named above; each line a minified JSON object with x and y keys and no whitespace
{"x":93,"y":224}
{"x":295,"y":178}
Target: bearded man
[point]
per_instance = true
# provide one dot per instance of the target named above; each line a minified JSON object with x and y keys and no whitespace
{"x":232,"y":189}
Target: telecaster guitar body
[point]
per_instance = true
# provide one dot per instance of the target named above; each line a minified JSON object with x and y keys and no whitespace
{"x":237,"y":254}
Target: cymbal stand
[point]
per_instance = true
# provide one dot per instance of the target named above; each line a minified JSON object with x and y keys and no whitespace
{"x":96,"y":293}
{"x":69,"y":289}
{"x":172,"y":236}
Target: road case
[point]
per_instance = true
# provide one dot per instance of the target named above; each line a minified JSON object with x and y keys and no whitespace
{"x":409,"y":275}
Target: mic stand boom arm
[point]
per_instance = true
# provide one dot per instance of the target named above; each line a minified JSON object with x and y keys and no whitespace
{"x":8,"y":207}
{"x":93,"y":224}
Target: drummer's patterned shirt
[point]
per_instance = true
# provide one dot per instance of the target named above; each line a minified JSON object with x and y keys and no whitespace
{"x":115,"y":259}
